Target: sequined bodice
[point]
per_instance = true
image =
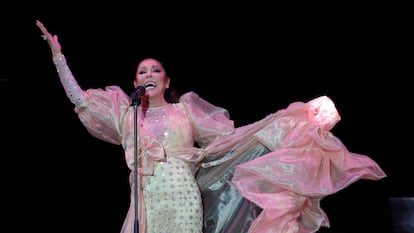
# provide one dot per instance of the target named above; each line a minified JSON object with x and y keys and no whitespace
{"x":156,"y":120}
{"x":169,"y":124}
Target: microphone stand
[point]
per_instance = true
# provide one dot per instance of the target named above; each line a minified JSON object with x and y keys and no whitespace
{"x":136,"y":100}
{"x":136,"y":223}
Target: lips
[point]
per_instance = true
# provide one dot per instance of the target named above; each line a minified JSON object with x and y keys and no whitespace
{"x":150,"y":85}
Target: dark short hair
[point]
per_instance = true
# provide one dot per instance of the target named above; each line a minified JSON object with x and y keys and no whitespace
{"x":171,"y":95}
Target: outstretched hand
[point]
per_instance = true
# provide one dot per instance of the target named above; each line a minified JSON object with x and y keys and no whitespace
{"x":52,"y":40}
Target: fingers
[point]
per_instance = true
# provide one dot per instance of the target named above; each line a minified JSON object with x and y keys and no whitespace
{"x":46,"y":35}
{"x":51,"y":39}
{"x":43,"y":29}
{"x":41,"y":26}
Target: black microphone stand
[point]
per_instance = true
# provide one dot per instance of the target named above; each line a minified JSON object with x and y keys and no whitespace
{"x":136,"y":100}
{"x":136,"y":224}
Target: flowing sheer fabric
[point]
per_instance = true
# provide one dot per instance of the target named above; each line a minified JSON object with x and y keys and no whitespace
{"x":285,"y":165}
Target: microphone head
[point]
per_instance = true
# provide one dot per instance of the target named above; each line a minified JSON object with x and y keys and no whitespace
{"x":137,"y":93}
{"x":140,"y":90}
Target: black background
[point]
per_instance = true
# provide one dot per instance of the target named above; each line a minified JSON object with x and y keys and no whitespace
{"x":251,"y":59}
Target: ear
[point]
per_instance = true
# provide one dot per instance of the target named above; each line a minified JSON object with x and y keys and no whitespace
{"x":135,"y":83}
{"x":167,"y":84}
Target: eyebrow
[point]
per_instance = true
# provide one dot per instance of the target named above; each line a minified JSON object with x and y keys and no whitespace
{"x":154,"y":66}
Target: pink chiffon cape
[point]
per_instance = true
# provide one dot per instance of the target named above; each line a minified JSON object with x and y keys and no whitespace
{"x":284,"y":165}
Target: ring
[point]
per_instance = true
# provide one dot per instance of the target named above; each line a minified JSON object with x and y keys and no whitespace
{"x":44,"y":37}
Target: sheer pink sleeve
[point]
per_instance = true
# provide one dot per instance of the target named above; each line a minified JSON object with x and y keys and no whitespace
{"x":100,"y":111}
{"x":104,"y":113}
{"x":210,"y":122}
{"x":306,"y":162}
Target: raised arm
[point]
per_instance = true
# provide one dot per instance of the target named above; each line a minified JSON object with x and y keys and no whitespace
{"x":72,"y":89}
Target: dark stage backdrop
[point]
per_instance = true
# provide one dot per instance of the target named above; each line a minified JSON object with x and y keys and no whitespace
{"x":252,"y":61}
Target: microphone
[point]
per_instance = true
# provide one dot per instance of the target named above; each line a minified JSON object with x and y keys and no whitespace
{"x":136,"y":94}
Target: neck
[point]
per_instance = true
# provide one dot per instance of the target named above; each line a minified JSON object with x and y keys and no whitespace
{"x":146,"y":103}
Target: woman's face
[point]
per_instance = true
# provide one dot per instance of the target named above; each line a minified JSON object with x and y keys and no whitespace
{"x":151,"y":75}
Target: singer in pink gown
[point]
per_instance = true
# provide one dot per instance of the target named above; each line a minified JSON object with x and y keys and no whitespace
{"x":198,"y":173}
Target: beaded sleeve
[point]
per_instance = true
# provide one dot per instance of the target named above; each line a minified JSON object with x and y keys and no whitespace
{"x":72,"y":89}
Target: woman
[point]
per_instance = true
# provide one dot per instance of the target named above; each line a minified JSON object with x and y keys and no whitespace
{"x":188,"y":188}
